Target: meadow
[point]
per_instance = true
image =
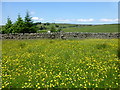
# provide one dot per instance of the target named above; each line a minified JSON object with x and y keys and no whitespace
{"x":110,"y":28}
{"x":86,"y":63}
{"x":104,"y":28}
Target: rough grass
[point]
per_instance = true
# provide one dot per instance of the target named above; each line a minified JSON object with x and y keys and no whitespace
{"x":90,"y":63}
{"x":98,"y":28}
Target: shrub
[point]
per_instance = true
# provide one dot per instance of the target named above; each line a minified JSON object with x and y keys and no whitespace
{"x":42,"y":31}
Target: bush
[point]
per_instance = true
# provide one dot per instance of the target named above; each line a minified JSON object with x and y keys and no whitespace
{"x":42,"y":31}
{"x":53,"y":29}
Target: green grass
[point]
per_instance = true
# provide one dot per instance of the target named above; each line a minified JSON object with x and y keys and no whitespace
{"x":108,"y":28}
{"x":97,"y":28}
{"x":89,"y":63}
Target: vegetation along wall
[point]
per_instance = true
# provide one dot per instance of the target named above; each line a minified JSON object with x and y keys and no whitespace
{"x":67,"y":35}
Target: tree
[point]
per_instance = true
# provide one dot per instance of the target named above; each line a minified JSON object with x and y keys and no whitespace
{"x":42,"y":28}
{"x":19,"y":25}
{"x":47,"y":23}
{"x":8,"y":27}
{"x":59,"y":30}
{"x":52,"y":29}
{"x":56,"y":25}
{"x":37,"y":23}
{"x":29,"y":25}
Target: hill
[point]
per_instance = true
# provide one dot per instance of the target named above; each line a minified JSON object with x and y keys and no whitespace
{"x":106,"y":28}
{"x":94,"y":28}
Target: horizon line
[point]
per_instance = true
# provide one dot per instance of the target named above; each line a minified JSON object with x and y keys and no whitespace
{"x":81,"y":23}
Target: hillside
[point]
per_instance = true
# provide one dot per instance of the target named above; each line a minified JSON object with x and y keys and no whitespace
{"x":107,"y":28}
{"x":95,"y":28}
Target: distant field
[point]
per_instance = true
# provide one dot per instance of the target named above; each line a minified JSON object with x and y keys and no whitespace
{"x":90,"y":63}
{"x":96,"y":28}
{"x":109,"y":28}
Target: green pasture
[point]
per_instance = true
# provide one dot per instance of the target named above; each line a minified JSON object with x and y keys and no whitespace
{"x":95,"y":28}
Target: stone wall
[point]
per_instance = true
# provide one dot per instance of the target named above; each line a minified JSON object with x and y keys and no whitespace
{"x":67,"y":35}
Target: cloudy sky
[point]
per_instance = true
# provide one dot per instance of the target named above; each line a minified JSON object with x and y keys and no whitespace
{"x":63,"y":12}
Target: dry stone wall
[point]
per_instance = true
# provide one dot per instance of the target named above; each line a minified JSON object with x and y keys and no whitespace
{"x":67,"y":35}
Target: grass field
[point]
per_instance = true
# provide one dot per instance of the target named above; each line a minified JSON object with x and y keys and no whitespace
{"x":108,"y":28}
{"x":97,"y":28}
{"x":89,"y":63}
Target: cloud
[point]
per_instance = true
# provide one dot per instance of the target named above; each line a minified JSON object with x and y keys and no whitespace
{"x":109,"y":20}
{"x":37,"y":19}
{"x":62,"y":20}
{"x":89,"y":20}
{"x":74,"y":20}
{"x":84,"y":20}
